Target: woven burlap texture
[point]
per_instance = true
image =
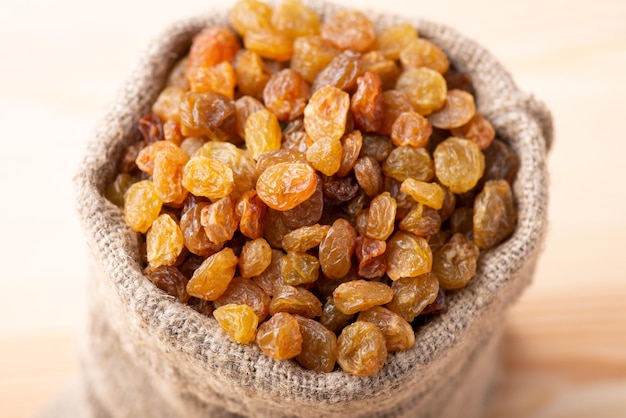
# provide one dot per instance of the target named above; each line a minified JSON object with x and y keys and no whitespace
{"x":146,"y":355}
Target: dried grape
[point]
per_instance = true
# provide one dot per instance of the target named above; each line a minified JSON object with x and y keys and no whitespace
{"x":325,"y":114}
{"x":211,"y":279}
{"x":454,"y":263}
{"x":142,"y":206}
{"x":337,"y":248}
{"x":255,"y":257}
{"x":238,"y":321}
{"x":285,"y":94}
{"x":164,"y":242}
{"x":458,"y":110}
{"x":398,"y":333}
{"x":349,"y":29}
{"x":284,"y":186}
{"x":407,"y":256}
{"x":495,"y":216}
{"x":296,"y":301}
{"x":425,"y":88}
{"x":319,"y":346}
{"x":420,"y":52}
{"x":411,"y":295}
{"x":360,"y":295}
{"x":170,"y":280}
{"x":361,"y":349}
{"x":242,"y":291}
{"x":459,"y":164}
{"x":280,"y":337}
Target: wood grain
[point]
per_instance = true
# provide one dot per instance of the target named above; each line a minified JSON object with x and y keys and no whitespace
{"x":565,"y":347}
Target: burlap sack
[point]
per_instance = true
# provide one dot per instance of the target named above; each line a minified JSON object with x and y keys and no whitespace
{"x":146,"y":355}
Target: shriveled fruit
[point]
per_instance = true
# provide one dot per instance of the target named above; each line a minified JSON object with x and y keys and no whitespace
{"x":252,"y":76}
{"x":145,"y":157}
{"x":421,"y":221}
{"x":398,"y":333}
{"x":194,"y":236}
{"x":141,"y":205}
{"x":269,"y":43}
{"x":167,"y":104}
{"x":396,"y":102}
{"x":351,"y":148}
{"x":295,"y":19}
{"x":332,"y":318}
{"x":367,"y":103}
{"x":369,"y":175}
{"x":319,"y":346}
{"x":462,"y":221}
{"x":376,"y":146}
{"x":251,"y":212}
{"x":412,"y":129}
{"x":349,"y":29}
{"x":411,"y":295}
{"x":425,"y":88}
{"x":280,"y":337}
{"x":219,"y":78}
{"x":275,"y":229}
{"x":242,"y":291}
{"x":386,"y":69}
{"x":295,"y":300}
{"x":459,"y":164}
{"x":250,"y":15}
{"x":255,"y":257}
{"x":341,"y":72}
{"x":306,"y":213}
{"x":501,"y":163}
{"x":454,"y":263}
{"x":337,"y":248}
{"x":237,"y":160}
{"x":325,"y":155}
{"x":429,"y":194}
{"x":495,"y":215}
{"x":270,"y":280}
{"x":408,"y":162}
{"x":325,"y":114}
{"x":211,"y":279}
{"x":283,"y":155}
{"x":361,"y":349}
{"x":311,"y":54}
{"x":164,"y":241}
{"x":238,"y":321}
{"x":340,"y":190}
{"x":305,"y":238}
{"x":381,"y":217}
{"x":205,"y":113}
{"x":262,"y":133}
{"x":167,"y":175}
{"x":478,"y":129}
{"x":285,"y":94}
{"x":170,"y":280}
{"x":370,"y":254}
{"x":421,"y":52}
{"x":407,"y":256}
{"x":360,"y":295}
{"x":220,"y":220}
{"x":392,"y":40}
{"x":286,"y":185}
{"x":210,"y":47}
{"x":299,"y":268}
{"x":458,"y":110}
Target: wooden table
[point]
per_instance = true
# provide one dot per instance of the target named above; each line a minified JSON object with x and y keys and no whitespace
{"x":565,"y":348}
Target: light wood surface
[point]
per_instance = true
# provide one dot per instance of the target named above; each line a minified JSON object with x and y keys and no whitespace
{"x":565,"y":346}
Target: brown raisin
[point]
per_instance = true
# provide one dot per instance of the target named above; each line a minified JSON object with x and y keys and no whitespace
{"x":369,"y":175}
{"x":308,"y":212}
{"x":478,"y":129}
{"x":170,"y":280}
{"x":495,"y":216}
{"x":243,"y":291}
{"x":351,"y":145}
{"x":285,"y":94}
{"x":458,"y":110}
{"x":341,"y":72}
{"x":337,"y":248}
{"x":270,"y":279}
{"x":370,"y":254}
{"x":319,"y":346}
{"x":367,"y":103}
{"x":398,"y":333}
{"x":251,"y":212}
{"x":454,"y":263}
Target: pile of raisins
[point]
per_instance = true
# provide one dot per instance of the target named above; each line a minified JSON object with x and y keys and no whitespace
{"x":315,"y":186}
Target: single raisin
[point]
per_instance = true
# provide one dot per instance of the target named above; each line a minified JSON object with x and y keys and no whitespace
{"x":398,"y":333}
{"x":361,"y":349}
{"x":337,"y":248}
{"x":325,"y":114}
{"x":425,"y":88}
{"x":319,"y":346}
{"x":305,"y":238}
{"x":280,"y":337}
{"x":296,"y":301}
{"x":284,"y":186}
{"x":454,"y":263}
{"x":299,"y":268}
{"x":238,"y":321}
{"x":164,"y":241}
{"x":412,"y":129}
{"x":255,"y":257}
{"x":420,"y":52}
{"x":341,"y":72}
{"x":407,"y":256}
{"x":459,"y":164}
{"x":142,"y":206}
{"x":381,"y":217}
{"x":408,"y":162}
{"x":495,"y":216}
{"x":285,"y":94}
{"x":251,"y":212}
{"x":367,"y":103}
{"x":349,"y":29}
{"x":411,"y":295}
{"x":211,"y":279}
{"x":242,"y":291}
{"x":458,"y":110}
{"x":170,"y":280}
{"x":370,"y":254}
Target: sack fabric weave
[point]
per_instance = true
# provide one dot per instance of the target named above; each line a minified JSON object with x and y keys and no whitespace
{"x":146,"y":355}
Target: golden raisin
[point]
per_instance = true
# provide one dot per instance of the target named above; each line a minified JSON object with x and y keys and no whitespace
{"x":142,"y":205}
{"x":420,"y":52}
{"x":349,"y":29}
{"x":252,"y":75}
{"x":319,"y":346}
{"x":408,"y":162}
{"x":251,"y":212}
{"x":280,"y":337}
{"x":164,"y":242}
{"x":412,"y":129}
{"x":211,"y":279}
{"x":457,"y":111}
{"x":306,"y":213}
{"x":167,"y":175}
{"x":219,"y":79}
{"x":325,"y":155}
{"x":166,"y":105}
{"x":388,"y":71}
{"x":145,"y":157}
{"x":392,"y":40}
{"x":361,"y":349}
{"x":407,"y":256}
{"x":305,"y":238}
{"x":283,"y":186}
{"x":269,"y":44}
{"x":454,"y":263}
{"x":299,"y":268}
{"x":295,"y":300}
{"x":398,"y":333}
{"x":210,"y":47}
{"x":459,"y":164}
{"x":208,"y":177}
{"x":421,"y":221}
{"x":332,"y":318}
{"x":255,"y":257}
{"x":367,"y":104}
{"x":285,"y":94}
{"x":270,"y":280}
{"x":325,"y":114}
{"x":429,"y":194}
{"x":381,"y":217}
{"x":412,"y":294}
{"x":425,"y":88}
{"x":238,"y":321}
{"x":205,"y":113}
{"x":478,"y":129}
{"x":337,"y":248}
{"x":220,"y":220}
{"x":262,"y":133}
{"x":250,"y":15}
{"x":359,"y":295}
{"x":294,"y":19}
{"x":242,"y":291}
{"x":311,"y":54}
{"x":495,"y":216}
{"x":351,"y":148}
{"x":194,"y":237}
{"x":341,"y":72}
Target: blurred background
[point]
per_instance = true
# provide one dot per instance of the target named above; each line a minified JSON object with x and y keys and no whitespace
{"x":565,"y":349}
